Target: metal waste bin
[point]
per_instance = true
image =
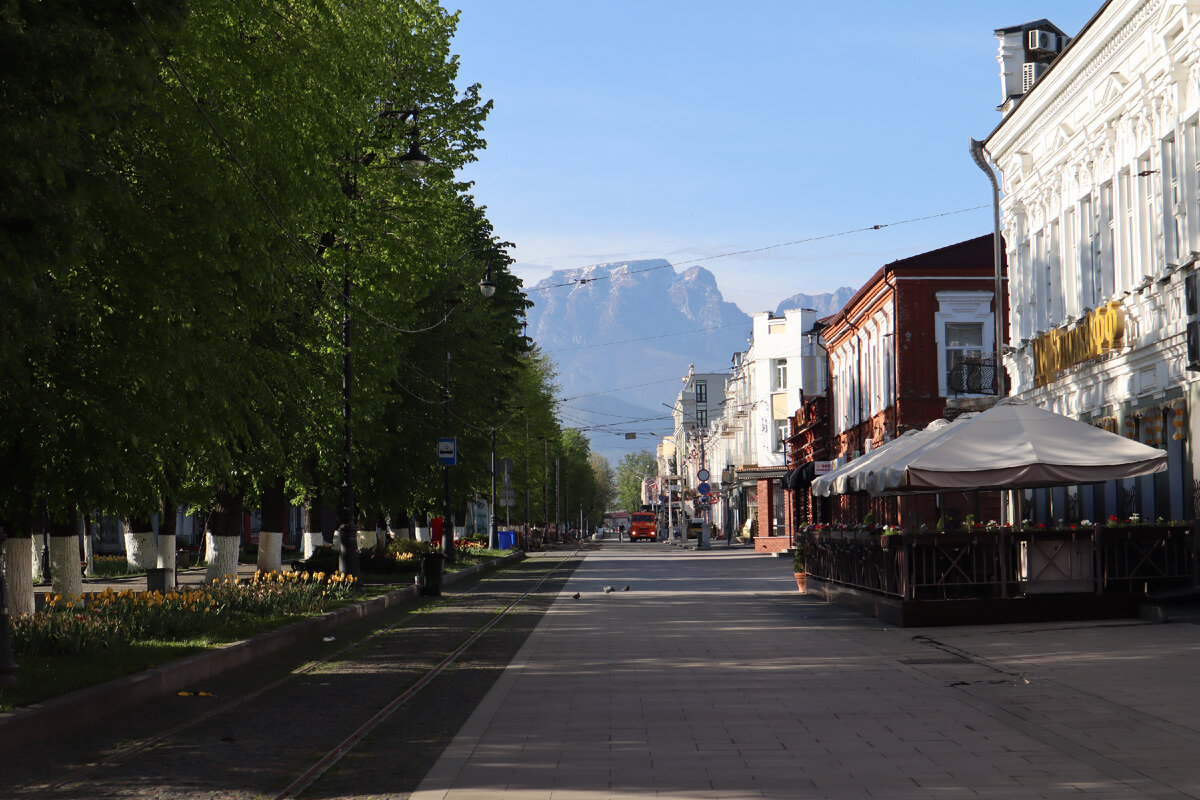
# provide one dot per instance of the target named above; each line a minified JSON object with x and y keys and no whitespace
{"x":431,"y":574}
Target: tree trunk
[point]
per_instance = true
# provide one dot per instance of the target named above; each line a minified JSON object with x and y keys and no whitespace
{"x":225,"y":527}
{"x":90,"y":526}
{"x":168,"y":530}
{"x":313,"y":535}
{"x":66,"y":576}
{"x":141,"y":546}
{"x":274,"y":523}
{"x":18,"y":574}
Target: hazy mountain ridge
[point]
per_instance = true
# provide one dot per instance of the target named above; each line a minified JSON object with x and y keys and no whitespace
{"x":824,"y":304}
{"x":623,"y":336}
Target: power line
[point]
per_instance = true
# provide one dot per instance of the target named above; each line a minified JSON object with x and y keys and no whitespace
{"x":648,"y":338}
{"x":730,"y":254}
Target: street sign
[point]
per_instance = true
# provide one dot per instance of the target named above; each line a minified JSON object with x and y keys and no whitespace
{"x":702,"y":475}
{"x":447,"y":451}
{"x":703,"y":488}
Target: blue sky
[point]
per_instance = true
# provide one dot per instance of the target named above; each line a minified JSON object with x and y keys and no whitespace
{"x":688,"y":130}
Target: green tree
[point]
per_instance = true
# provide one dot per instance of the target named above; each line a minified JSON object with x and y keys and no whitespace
{"x":631,"y":470}
{"x":606,"y":486}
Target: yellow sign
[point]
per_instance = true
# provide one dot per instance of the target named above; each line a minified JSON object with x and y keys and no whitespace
{"x":1100,"y":331}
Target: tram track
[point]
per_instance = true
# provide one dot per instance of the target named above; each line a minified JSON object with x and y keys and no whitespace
{"x":416,"y":637}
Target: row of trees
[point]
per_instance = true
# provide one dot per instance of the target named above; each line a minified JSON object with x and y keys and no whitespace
{"x":197,"y":196}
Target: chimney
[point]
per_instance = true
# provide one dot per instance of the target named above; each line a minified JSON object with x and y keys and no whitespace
{"x":1025,"y":54}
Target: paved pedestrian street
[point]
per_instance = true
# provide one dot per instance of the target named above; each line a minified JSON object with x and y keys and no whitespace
{"x":712,"y":678}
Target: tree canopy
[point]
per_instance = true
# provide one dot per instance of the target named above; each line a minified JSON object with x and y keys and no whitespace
{"x":195,"y":195}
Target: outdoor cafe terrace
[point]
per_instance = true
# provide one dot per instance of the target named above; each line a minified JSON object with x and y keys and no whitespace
{"x":991,"y":574}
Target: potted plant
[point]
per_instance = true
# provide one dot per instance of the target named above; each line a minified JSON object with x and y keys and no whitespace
{"x":800,"y":564}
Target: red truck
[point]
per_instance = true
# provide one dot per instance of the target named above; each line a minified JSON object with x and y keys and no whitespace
{"x":642,"y":525}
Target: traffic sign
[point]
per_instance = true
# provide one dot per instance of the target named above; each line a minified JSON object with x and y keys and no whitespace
{"x":702,"y":474}
{"x":703,"y":488}
{"x":447,"y":451}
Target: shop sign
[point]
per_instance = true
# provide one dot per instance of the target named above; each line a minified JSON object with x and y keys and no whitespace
{"x":1102,"y":330}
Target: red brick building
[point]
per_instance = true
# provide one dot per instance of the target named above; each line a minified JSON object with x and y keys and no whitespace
{"x":914,"y":343}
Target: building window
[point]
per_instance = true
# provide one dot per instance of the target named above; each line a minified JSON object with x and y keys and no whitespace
{"x":964,"y":358}
{"x":781,"y":433}
{"x":701,"y":392}
{"x":1106,"y":268}
{"x":778,"y":374}
{"x":701,"y":417}
{"x":1172,"y":199}
{"x":1125,"y":198}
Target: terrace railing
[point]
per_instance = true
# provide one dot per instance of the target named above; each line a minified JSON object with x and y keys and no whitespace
{"x":1005,"y":563}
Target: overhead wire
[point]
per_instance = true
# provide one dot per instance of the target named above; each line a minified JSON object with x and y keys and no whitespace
{"x":748,"y":251}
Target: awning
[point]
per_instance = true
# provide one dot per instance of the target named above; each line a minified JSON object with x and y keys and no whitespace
{"x":801,"y":476}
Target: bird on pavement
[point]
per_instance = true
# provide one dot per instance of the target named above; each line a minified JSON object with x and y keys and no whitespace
{"x":626,"y":589}
{"x":607,"y":589}
{"x":577,"y":595}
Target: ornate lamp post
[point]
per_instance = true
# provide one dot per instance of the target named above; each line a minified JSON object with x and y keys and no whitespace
{"x":413,"y":163}
{"x":487,"y":287}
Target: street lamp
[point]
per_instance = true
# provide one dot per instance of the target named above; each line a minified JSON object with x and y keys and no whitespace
{"x":413,"y":163}
{"x":487,"y":287}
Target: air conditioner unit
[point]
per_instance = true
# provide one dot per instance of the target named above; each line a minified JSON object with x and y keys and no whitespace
{"x":1030,"y":72}
{"x":1044,"y":42}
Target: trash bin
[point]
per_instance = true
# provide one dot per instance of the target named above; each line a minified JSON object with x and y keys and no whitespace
{"x":431,"y":574}
{"x":506,"y":540}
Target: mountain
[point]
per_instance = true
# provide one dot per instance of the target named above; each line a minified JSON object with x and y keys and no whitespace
{"x":823,"y":304}
{"x":623,"y":336}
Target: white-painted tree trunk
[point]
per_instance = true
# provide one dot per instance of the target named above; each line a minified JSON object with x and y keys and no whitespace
{"x":35,"y":559}
{"x":424,"y":534}
{"x":367,"y":540}
{"x":312,"y":540}
{"x":89,"y":550}
{"x":224,"y":561}
{"x":141,"y":550}
{"x":166,"y":551}
{"x":65,"y":575}
{"x":270,"y":551}
{"x":18,"y":575}
{"x":208,"y":547}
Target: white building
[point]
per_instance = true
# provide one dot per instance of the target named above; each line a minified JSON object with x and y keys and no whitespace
{"x":782,"y":364}
{"x":1099,"y":158}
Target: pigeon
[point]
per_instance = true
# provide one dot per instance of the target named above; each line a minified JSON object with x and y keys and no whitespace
{"x":607,"y":589}
{"x":626,"y":589}
{"x":576,"y":595}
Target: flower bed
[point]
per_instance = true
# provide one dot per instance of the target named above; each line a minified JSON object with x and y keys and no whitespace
{"x":92,"y":623}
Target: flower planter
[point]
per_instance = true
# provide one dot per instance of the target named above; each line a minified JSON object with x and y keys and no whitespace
{"x":801,"y":581}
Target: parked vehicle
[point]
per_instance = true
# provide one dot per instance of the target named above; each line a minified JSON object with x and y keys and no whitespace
{"x":642,"y":525}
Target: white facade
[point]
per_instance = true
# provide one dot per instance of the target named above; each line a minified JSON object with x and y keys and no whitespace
{"x":1100,"y":168}
{"x":782,"y":365}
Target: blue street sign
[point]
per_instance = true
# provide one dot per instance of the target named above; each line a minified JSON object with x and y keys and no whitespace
{"x":702,"y":488}
{"x":447,"y":451}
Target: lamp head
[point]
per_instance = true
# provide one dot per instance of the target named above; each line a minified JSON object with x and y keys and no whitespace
{"x":487,"y":286}
{"x":414,"y":161}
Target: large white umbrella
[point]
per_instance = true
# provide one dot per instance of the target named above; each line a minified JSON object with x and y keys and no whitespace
{"x":1015,"y":445}
{"x":843,"y":479}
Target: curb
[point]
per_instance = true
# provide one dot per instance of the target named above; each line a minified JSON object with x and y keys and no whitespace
{"x":76,"y":709}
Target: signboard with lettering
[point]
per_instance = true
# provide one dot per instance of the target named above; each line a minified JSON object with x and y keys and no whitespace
{"x":1100,"y":330}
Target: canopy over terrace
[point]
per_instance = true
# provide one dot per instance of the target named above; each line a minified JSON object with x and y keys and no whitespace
{"x":844,"y":478}
{"x":1015,"y":445}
